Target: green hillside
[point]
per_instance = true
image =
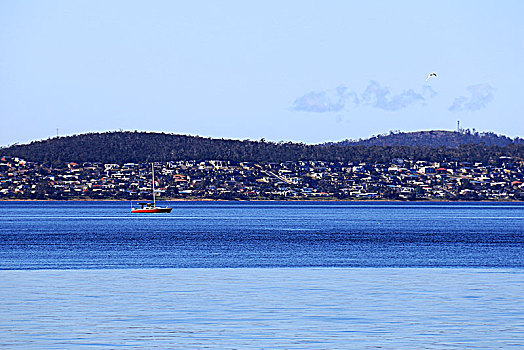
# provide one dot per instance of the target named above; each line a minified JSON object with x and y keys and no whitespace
{"x":434,"y":138}
{"x":120,"y":147}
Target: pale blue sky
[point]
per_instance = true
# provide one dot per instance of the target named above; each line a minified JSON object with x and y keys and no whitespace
{"x":307,"y":71}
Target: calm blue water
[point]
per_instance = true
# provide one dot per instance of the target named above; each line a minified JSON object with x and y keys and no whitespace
{"x":264,"y":275}
{"x":65,"y":235}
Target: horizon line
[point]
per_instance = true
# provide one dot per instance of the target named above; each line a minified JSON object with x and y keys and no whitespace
{"x":391,"y":132}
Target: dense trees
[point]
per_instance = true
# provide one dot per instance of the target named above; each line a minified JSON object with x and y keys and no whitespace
{"x":434,"y":138}
{"x":121,"y":147}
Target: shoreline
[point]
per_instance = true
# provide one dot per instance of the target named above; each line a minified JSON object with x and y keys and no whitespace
{"x":264,"y":200}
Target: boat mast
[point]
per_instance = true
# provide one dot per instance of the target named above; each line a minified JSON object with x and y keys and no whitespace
{"x":153,"y":171}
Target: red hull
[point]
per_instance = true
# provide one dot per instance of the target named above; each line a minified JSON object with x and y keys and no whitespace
{"x":152,"y":210}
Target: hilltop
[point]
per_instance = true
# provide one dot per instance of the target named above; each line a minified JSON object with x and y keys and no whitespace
{"x":138,"y":147}
{"x":434,"y":138}
{"x":118,"y":147}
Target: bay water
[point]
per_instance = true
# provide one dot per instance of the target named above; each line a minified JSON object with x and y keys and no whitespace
{"x":262,"y":275}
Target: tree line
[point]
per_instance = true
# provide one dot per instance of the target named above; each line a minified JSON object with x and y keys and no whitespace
{"x":140,"y":147}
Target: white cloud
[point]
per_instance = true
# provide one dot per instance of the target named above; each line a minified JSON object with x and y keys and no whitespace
{"x":375,"y":95}
{"x":325,"y":101}
{"x":479,"y":97}
{"x":378,"y":96}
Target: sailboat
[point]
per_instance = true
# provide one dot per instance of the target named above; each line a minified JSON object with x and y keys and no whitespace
{"x":147,"y":207}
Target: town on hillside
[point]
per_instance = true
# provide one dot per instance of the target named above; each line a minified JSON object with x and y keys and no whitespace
{"x":400,"y":179}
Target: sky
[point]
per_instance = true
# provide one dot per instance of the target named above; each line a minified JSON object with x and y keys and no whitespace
{"x":304,"y":71}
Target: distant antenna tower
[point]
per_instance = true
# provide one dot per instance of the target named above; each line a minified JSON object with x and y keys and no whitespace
{"x":56,"y":132}
{"x":458,"y":125}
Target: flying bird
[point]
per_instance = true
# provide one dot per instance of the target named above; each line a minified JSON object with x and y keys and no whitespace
{"x":431,"y":75}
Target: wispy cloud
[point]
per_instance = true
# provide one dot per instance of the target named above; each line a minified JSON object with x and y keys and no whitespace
{"x":375,"y":95}
{"x":378,"y":96}
{"x":332,"y":100}
{"x":479,"y":97}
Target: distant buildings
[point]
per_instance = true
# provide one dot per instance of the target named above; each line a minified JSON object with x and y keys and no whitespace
{"x":401,"y":179}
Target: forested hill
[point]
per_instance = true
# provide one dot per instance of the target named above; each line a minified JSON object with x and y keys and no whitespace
{"x":118,"y":147}
{"x":137,"y":147}
{"x":434,"y":138}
